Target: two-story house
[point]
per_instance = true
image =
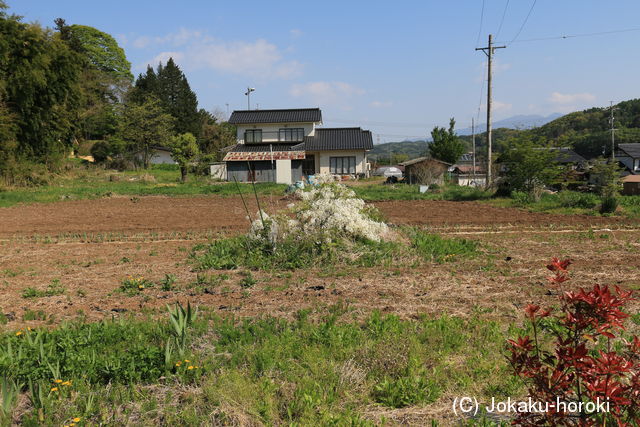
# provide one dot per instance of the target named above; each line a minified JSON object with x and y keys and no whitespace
{"x":286,"y":145}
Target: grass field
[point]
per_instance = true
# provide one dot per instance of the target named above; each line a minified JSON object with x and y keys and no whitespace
{"x":91,"y":183}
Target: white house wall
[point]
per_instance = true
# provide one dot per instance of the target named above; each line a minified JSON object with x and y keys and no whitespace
{"x":271,"y":132}
{"x":160,"y":157}
{"x":322,"y":159}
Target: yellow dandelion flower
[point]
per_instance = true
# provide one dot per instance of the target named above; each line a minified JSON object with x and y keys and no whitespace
{"x":18,"y":333}
{"x":76,"y":420}
{"x":187,"y":360}
{"x":72,"y":424}
{"x":54,"y":388}
{"x":140,"y":287}
{"x":190,"y":368}
{"x":67,"y":383}
{"x":29,"y":328}
{"x":178,"y":363}
{"x":57,"y":381}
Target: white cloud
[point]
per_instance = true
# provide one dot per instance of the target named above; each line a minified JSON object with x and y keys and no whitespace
{"x":570,"y":98}
{"x":327,"y":93}
{"x":501,"y":106}
{"x":195,"y":50}
{"x":497,"y":106}
{"x":256,"y":59}
{"x":164,"y":57}
{"x":295,"y":33}
{"x":381,"y":104}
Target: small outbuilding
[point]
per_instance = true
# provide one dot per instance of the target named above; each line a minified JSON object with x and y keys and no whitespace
{"x":631,"y":185}
{"x":425,"y":170}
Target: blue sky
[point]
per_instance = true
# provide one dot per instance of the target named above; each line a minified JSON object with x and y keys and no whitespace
{"x":396,"y":68}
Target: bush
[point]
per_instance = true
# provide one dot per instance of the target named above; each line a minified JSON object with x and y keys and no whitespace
{"x":579,"y":357}
{"x":609,"y":204}
{"x":520,"y":198}
{"x":571,"y":199}
{"x":101,"y":151}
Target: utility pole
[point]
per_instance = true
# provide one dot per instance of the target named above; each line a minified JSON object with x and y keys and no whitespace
{"x":473,"y":144}
{"x":489,"y":50}
{"x":613,"y":137}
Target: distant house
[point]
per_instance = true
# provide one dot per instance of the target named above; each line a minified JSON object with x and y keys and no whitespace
{"x":466,"y":175}
{"x":159,"y":156}
{"x":629,"y":155}
{"x":568,"y":157}
{"x":425,"y":170}
{"x":286,"y":145}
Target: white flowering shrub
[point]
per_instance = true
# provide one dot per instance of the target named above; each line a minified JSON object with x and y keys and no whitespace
{"x":324,"y":178}
{"x":265,"y":228}
{"x":335,"y":209}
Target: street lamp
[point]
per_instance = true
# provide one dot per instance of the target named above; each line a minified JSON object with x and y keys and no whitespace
{"x":248,"y":93}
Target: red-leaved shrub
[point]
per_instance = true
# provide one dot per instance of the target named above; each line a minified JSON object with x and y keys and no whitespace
{"x":579,"y":358}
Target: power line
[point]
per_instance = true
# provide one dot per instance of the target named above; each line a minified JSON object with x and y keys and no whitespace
{"x":480,"y":29}
{"x":570,"y":36}
{"x":502,"y":20}
{"x":373,"y":123}
{"x":524,"y":23}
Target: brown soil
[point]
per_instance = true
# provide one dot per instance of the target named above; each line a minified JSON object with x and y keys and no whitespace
{"x":161,"y":214}
{"x":509,"y":274}
{"x":437,"y":212}
{"x":132,"y":215}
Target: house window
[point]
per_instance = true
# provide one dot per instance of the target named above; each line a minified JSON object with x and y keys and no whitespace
{"x":342,"y":165}
{"x":253,"y":136}
{"x":291,"y":135}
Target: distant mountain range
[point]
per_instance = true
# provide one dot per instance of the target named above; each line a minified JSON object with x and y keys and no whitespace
{"x":522,"y":121}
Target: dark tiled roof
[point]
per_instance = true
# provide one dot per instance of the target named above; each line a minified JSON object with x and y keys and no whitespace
{"x":567,"y":155}
{"x":297,"y":115}
{"x":631,"y":149}
{"x":327,"y":139}
{"x":261,"y":148}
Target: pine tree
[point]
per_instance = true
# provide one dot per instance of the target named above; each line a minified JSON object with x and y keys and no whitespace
{"x":170,"y":86}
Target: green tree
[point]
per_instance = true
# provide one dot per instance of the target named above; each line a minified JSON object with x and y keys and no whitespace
{"x":144,"y":126}
{"x":214,"y":135}
{"x":607,"y":176}
{"x":105,"y":77}
{"x":528,"y":166}
{"x":8,"y":143}
{"x":170,"y":86}
{"x":446,"y":145}
{"x":184,"y":150}
{"x":103,"y":52}
{"x":39,"y":73}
